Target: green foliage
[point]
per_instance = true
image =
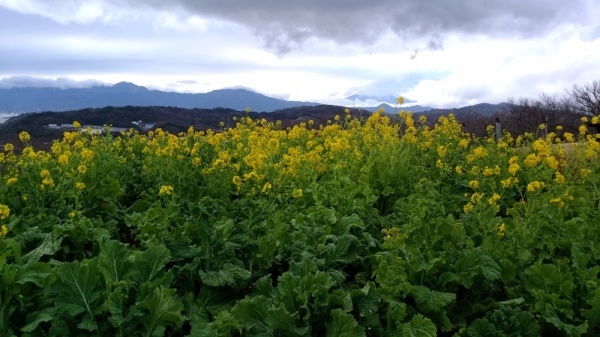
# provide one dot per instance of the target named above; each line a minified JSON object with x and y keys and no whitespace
{"x":349,"y":230}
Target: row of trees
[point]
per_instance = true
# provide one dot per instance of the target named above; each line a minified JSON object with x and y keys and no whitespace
{"x":526,"y":114}
{"x":580,"y":101}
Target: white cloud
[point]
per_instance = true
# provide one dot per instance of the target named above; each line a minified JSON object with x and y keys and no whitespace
{"x":443,"y":55}
{"x":41,"y":82}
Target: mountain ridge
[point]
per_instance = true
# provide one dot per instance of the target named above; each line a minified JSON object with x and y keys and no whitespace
{"x":38,"y":99}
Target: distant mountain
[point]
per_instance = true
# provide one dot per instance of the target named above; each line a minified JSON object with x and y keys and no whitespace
{"x":481,"y":108}
{"x":389,"y":99}
{"x":393,"y":108}
{"x":20,"y":100}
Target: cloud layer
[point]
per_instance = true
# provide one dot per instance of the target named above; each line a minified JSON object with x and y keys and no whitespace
{"x":286,"y":25}
{"x":441,"y":53}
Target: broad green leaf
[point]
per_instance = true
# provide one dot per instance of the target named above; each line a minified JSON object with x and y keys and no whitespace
{"x":211,"y":300}
{"x":482,"y":328}
{"x":593,"y":314}
{"x":343,"y":225}
{"x":474,"y":263}
{"x":38,"y":317}
{"x":505,"y":322}
{"x":279,"y":320}
{"x":252,"y":313}
{"x":290,"y":291}
{"x":343,"y":250}
{"x":230,"y":275}
{"x":49,"y":246}
{"x":37,"y":273}
{"x":115,"y":306}
{"x":151,"y":262}
{"x":76,"y":291}
{"x":419,"y":326}
{"x":164,"y":310}
{"x":429,"y":301}
{"x":113,"y":261}
{"x":366,"y":300}
{"x":551,"y":316}
{"x":343,"y":325}
{"x":263,"y":286}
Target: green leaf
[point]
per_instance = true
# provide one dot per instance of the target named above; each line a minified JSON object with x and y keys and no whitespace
{"x":36,"y":318}
{"x":210,"y":301}
{"x":279,"y":319}
{"x":343,"y":325}
{"x":76,"y":292}
{"x":419,"y":326}
{"x":343,"y":250}
{"x":164,"y":310}
{"x":151,"y":263}
{"x":37,"y":273}
{"x":474,"y":263}
{"x":366,"y":300}
{"x":252,"y":313}
{"x":49,"y":246}
{"x":343,"y":225}
{"x":551,"y":316}
{"x":482,"y":328}
{"x":505,"y":322}
{"x":593,"y":314}
{"x":230,"y":275}
{"x":113,"y":261}
{"x":291,"y":292}
{"x":429,"y":301}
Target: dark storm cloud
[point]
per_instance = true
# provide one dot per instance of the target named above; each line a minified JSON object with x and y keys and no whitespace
{"x":286,"y":25}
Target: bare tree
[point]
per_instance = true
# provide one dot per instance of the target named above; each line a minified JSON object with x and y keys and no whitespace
{"x":586,"y":98}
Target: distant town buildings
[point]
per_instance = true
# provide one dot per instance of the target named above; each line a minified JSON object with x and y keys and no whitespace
{"x":143,"y":126}
{"x":97,"y":129}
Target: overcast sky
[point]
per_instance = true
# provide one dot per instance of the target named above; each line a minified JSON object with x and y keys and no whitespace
{"x":441,"y":53}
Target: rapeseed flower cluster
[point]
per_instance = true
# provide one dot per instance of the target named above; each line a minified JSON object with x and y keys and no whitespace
{"x":283,"y":164}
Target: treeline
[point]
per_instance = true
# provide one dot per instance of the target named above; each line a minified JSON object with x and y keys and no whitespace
{"x":526,"y":114}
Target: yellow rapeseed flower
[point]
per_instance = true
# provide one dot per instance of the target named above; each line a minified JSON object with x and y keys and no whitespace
{"x":569,"y":137}
{"x":559,"y":178}
{"x":535,"y":186}
{"x":165,"y":190}
{"x":47,"y":182}
{"x":76,"y":125}
{"x":480,"y":152}
{"x":79,"y":185}
{"x":82,"y":168}
{"x":494,"y":199}
{"x":532,"y":160}
{"x":24,"y":136}
{"x":8,"y":147}
{"x":44,"y":173}
{"x":265,"y":189}
{"x":297,"y":193}
{"x":11,"y":181}
{"x":4,"y":212}
{"x":501,"y":230}
{"x":87,"y":154}
{"x":237,"y":181}
{"x":474,"y":184}
{"x":468,"y":207}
